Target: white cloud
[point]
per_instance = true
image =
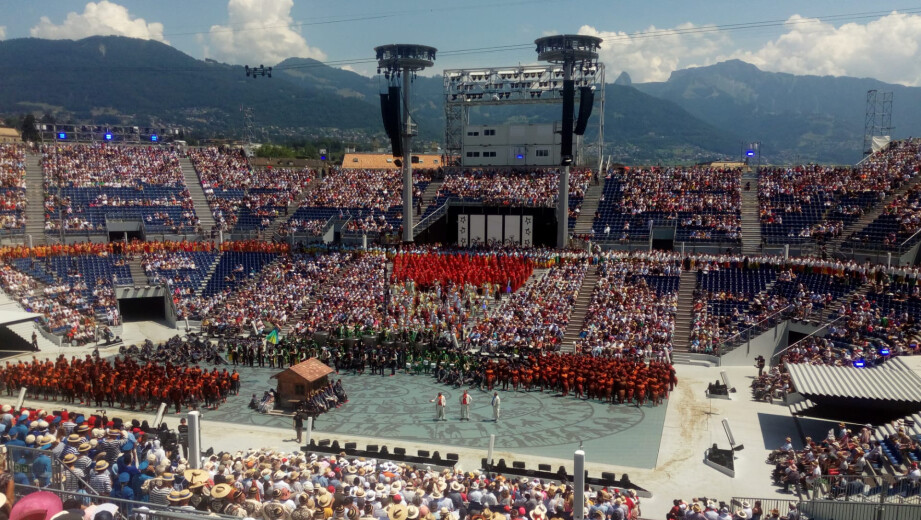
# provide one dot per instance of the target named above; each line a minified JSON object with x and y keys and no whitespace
{"x":886,"y":49}
{"x":653,"y":54}
{"x":259,"y":31}
{"x":100,"y":18}
{"x":2,"y":32}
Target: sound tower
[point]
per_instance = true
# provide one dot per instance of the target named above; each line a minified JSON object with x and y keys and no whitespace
{"x":586,"y":101}
{"x":568,"y":109}
{"x":390,"y":111}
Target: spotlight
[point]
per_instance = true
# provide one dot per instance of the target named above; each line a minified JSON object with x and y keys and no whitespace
{"x":750,"y":153}
{"x":884,"y":351}
{"x":859,"y":363}
{"x":62,"y":135}
{"x":108,"y":136}
{"x":154,"y":138}
{"x":519,"y":156}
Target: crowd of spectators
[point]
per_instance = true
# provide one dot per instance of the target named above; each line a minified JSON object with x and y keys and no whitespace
{"x":900,"y":220}
{"x":536,"y":316}
{"x":355,"y":298}
{"x":704,"y":204}
{"x":630,"y":314}
{"x":276,"y":297}
{"x":63,"y":307}
{"x":85,"y":183}
{"x":12,"y":186}
{"x":815,"y":202}
{"x":128,"y":459}
{"x":242,"y":197}
{"x":514,"y":187}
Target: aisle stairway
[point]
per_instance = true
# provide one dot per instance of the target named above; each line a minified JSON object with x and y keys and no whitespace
{"x":137,"y":272}
{"x":751,"y":220}
{"x":35,"y":210}
{"x":430,"y":194}
{"x":684,"y":317}
{"x":208,"y":275}
{"x":871,"y":215}
{"x":292,"y":208}
{"x":580,"y":309}
{"x":202,"y":210}
{"x":25,"y":329}
{"x":589,"y":207}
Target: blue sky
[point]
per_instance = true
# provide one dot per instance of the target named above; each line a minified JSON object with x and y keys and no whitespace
{"x":840,"y":37}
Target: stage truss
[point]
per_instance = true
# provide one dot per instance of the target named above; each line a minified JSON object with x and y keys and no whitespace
{"x":519,"y":85}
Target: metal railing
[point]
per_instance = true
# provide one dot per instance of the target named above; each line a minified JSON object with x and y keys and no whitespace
{"x":432,"y":217}
{"x":125,"y":507}
{"x":777,"y":356}
{"x":733,"y":342}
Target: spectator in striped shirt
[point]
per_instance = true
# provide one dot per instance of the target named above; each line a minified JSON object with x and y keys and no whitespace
{"x":101,"y":480}
{"x":72,"y":474}
{"x":73,"y":442}
{"x":112,"y":445}
{"x":160,"y":489}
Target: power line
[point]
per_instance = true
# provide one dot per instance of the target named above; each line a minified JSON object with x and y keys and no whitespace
{"x":327,"y":20}
{"x":621,"y":38}
{"x":645,"y":35}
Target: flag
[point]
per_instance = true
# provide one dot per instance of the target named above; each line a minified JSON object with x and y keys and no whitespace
{"x":272,"y":337}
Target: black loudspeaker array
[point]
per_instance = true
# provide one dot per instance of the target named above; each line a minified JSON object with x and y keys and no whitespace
{"x":390,"y":111}
{"x":586,"y":101}
{"x":568,"y":109}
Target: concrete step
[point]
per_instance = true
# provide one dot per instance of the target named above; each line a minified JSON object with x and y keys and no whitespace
{"x":199,"y":200}
{"x":138,"y":275}
{"x":589,"y":206}
{"x":683,"y":318}
{"x":580,"y":309}
{"x":25,"y":330}
{"x":35,"y":199}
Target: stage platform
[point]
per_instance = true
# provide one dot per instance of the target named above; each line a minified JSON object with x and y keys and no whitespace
{"x":532,"y":423}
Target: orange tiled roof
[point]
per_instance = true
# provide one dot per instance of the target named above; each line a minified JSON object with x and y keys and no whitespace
{"x":379,"y":161}
{"x":311,"y":370}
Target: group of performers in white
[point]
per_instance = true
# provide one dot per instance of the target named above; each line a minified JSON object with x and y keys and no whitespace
{"x":466,"y":400}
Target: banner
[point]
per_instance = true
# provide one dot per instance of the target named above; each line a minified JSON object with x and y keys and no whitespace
{"x":463,"y":228}
{"x":527,"y":230}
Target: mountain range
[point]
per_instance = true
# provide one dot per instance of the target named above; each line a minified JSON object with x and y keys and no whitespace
{"x":698,"y":114}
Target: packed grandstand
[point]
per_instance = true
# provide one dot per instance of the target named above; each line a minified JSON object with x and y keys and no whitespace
{"x":611,"y":304}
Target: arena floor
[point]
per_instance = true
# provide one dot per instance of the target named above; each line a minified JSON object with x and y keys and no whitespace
{"x":661,"y":448}
{"x":532,"y":423}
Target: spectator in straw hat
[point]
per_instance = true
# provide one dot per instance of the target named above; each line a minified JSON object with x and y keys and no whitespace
{"x":101,"y":480}
{"x":180,"y":499}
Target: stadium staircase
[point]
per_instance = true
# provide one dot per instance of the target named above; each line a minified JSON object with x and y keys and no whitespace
{"x":208,"y":275}
{"x":35,"y":210}
{"x":292,"y":207}
{"x":431,"y":193}
{"x":24,"y":330}
{"x":580,"y":309}
{"x":137,"y":272}
{"x":429,"y":198}
{"x":684,"y":318}
{"x":871,"y":215}
{"x":895,"y":462}
{"x":751,"y":219}
{"x":192,"y":182}
{"x":589,"y":207}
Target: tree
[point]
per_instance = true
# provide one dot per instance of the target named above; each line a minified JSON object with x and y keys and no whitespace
{"x":29,"y":132}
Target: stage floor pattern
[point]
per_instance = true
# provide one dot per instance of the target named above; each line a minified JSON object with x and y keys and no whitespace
{"x":532,"y":423}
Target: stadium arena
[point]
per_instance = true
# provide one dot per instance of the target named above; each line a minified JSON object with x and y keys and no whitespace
{"x":401,"y":336}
